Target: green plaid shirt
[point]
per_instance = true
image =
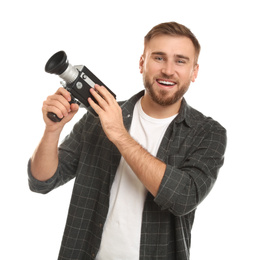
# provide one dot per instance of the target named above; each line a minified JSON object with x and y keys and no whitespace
{"x":193,"y":148}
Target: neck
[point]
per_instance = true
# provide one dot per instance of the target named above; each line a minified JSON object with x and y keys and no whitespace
{"x":155,"y":110}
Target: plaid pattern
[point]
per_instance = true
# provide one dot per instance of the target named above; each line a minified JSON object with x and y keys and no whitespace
{"x":193,"y":148}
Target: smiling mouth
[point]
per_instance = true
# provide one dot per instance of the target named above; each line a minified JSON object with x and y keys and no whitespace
{"x":166,"y":83}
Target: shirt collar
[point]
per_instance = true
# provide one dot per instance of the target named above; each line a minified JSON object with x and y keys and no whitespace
{"x":185,"y":112}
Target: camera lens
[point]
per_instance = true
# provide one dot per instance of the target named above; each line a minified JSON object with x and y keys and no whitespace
{"x":57,"y":64}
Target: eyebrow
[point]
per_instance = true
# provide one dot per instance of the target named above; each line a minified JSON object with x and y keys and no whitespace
{"x":176,"y":55}
{"x":182,"y":57}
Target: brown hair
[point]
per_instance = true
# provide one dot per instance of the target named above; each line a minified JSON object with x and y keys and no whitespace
{"x":173,"y":29}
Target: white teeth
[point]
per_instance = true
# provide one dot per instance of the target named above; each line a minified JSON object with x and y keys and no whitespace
{"x":166,"y":82}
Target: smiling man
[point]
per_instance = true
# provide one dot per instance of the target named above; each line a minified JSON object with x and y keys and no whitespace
{"x":142,"y":166}
{"x":169,"y":64}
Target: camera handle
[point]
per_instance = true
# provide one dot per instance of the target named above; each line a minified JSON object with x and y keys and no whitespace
{"x":53,"y":117}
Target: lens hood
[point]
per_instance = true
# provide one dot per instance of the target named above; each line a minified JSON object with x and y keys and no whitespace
{"x":57,"y":64}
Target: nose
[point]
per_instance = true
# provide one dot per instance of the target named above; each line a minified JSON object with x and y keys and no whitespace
{"x":168,"y":68}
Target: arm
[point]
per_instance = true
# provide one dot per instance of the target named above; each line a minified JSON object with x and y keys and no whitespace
{"x":177,"y":188}
{"x":148,"y":169}
{"x":187,"y":184}
{"x":44,"y":160}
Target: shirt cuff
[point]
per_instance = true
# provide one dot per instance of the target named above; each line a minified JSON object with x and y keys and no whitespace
{"x":41,"y":186}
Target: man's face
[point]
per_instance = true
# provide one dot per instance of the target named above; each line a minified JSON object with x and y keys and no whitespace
{"x":168,"y":67}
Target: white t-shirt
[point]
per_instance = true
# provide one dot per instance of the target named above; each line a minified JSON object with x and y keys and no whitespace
{"x":122,"y":230}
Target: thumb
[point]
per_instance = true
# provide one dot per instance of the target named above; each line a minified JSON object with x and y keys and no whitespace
{"x":73,"y":110}
{"x":74,"y":107}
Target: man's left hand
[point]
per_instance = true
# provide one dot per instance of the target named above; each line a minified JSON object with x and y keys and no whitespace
{"x":109,"y":112}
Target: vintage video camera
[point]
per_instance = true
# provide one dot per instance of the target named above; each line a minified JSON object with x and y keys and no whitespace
{"x":77,"y":80}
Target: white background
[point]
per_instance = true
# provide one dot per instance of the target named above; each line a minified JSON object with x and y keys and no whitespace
{"x":107,"y":37}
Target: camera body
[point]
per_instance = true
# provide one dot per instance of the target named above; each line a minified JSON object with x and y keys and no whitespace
{"x":82,"y":84}
{"x":77,"y":80}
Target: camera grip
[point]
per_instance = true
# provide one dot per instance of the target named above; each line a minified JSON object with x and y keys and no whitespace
{"x":53,"y":117}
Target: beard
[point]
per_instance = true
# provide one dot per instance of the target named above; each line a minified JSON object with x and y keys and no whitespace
{"x":162,"y":97}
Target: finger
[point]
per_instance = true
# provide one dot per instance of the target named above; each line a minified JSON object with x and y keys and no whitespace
{"x":96,"y":107}
{"x":104,"y":93}
{"x":66,"y":117}
{"x":64,"y":93}
{"x":74,"y":110}
{"x":51,"y":109}
{"x":56,"y":104}
{"x":100,"y":100}
{"x":58,"y":98}
{"x":74,"y":107}
{"x":59,"y":102}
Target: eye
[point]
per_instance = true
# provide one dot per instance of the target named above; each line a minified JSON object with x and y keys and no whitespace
{"x":158,"y":58}
{"x":180,"y":61}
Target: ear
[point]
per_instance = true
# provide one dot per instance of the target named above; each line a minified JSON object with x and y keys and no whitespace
{"x":141,"y":64}
{"x":195,"y":73}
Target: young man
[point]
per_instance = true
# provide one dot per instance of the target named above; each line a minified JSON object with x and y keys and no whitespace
{"x":142,"y":166}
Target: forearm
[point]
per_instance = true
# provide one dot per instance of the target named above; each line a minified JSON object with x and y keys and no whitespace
{"x":147,"y":168}
{"x":44,"y":161}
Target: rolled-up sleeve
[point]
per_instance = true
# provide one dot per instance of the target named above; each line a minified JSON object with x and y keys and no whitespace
{"x":42,"y":186}
{"x":184,"y":187}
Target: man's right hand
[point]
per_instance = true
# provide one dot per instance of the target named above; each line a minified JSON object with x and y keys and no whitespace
{"x":58,"y":104}
{"x":44,"y":161}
